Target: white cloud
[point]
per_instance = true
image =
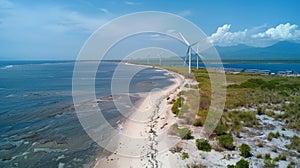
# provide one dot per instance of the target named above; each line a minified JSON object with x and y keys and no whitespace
{"x":54,"y":19}
{"x":223,"y":36}
{"x":255,"y":36}
{"x":104,"y":10}
{"x":185,"y":13}
{"x":280,"y":32}
{"x":132,"y":3}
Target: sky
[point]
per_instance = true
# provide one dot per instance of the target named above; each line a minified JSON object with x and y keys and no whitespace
{"x":50,"y":30}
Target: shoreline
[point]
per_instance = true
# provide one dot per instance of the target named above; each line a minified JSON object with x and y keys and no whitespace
{"x":141,"y":148}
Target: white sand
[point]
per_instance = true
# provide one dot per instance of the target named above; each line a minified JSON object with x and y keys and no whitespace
{"x":139,"y":147}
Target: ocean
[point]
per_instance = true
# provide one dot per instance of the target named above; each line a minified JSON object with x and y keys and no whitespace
{"x":38,"y":125}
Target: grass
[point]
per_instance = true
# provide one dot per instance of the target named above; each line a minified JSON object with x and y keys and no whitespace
{"x":272,"y":135}
{"x":295,"y":141}
{"x":235,"y":120}
{"x":248,"y":90}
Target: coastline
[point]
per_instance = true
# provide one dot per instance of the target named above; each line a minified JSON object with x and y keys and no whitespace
{"x":143,"y":150}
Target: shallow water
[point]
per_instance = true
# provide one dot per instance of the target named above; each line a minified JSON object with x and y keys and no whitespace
{"x":38,"y":123}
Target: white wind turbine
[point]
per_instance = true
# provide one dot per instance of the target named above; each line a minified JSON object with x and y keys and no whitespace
{"x":159,"y":54}
{"x":198,"y":56}
{"x":189,"y":51}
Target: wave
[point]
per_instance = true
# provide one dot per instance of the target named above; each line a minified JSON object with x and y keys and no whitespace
{"x":7,"y":67}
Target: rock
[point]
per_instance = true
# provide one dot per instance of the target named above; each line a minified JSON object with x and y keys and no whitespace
{"x":6,"y":158}
{"x":7,"y":146}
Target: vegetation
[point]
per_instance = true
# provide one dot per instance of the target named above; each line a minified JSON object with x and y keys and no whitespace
{"x":245,"y":150}
{"x":183,"y":133}
{"x":291,"y":165}
{"x":176,"y":149}
{"x":295,"y":141}
{"x":226,"y":141}
{"x":198,"y":122}
{"x":267,"y":93}
{"x":269,"y":163}
{"x":203,"y":145}
{"x":259,"y":156}
{"x":272,"y":135}
{"x":240,"y":164}
{"x":249,"y":90}
{"x":221,"y":129}
{"x":280,"y":157}
{"x":261,"y":110}
{"x":184,"y":155}
{"x":176,"y":105}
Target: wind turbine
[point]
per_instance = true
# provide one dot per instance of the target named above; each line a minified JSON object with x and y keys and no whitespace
{"x":159,"y":54}
{"x":198,"y":56}
{"x":189,"y":51}
{"x":148,"y":58}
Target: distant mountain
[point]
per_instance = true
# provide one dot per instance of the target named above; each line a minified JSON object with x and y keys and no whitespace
{"x":279,"y":51}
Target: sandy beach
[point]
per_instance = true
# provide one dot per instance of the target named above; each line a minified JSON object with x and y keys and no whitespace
{"x":144,"y":134}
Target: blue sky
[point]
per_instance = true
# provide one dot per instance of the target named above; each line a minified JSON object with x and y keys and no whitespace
{"x":47,"y":29}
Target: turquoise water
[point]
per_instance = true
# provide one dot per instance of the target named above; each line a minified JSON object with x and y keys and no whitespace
{"x":38,"y":125}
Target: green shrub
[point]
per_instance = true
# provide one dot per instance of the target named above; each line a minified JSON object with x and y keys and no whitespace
{"x":176,"y":105}
{"x":269,"y":163}
{"x":267,"y":156}
{"x":272,"y":135}
{"x":198,"y":122}
{"x":242,"y":164}
{"x":295,"y":141}
{"x":226,"y":141}
{"x":221,"y":129}
{"x":282,"y":156}
{"x":260,"y":110}
{"x":184,"y":155}
{"x":203,"y":145}
{"x":252,"y":83}
{"x":259,"y":156}
{"x":245,"y":150}
{"x":291,"y":165}
{"x":185,"y":133}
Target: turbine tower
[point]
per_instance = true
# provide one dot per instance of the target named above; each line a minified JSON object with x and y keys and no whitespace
{"x":159,"y":54}
{"x":198,"y":56}
{"x":189,"y":51}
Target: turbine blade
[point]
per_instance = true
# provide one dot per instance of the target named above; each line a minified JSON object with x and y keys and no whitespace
{"x":186,"y":42}
{"x":194,"y":43}
{"x":200,"y":56}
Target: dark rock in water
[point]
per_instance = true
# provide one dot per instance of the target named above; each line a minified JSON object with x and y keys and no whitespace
{"x":6,"y":158}
{"x":7,"y":146}
{"x":146,"y":84}
{"x":33,"y":137}
{"x":60,"y":139}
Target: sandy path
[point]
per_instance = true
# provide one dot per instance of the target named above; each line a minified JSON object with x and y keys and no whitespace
{"x":144,"y":134}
